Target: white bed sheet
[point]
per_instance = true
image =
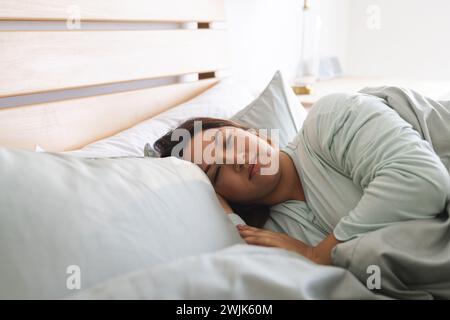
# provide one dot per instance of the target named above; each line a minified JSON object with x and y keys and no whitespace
{"x":238,"y":272}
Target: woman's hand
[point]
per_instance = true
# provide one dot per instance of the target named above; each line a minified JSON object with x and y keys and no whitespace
{"x":226,"y":207}
{"x":262,"y":237}
{"x":320,"y":254}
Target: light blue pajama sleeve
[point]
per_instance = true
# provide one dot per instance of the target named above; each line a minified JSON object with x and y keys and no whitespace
{"x":296,"y":219}
{"x":401,"y":176}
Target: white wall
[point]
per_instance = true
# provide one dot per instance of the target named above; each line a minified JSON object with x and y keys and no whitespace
{"x":335,"y":28}
{"x":413,"y":40}
{"x":264,"y":35}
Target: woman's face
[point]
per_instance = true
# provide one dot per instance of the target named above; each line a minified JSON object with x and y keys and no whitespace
{"x":242,"y":167}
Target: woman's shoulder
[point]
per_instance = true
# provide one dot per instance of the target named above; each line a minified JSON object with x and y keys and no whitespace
{"x":328,"y":117}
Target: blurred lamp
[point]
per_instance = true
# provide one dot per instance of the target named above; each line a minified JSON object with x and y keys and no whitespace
{"x":308,"y":65}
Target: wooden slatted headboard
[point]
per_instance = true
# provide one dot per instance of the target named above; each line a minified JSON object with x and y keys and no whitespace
{"x":45,"y":61}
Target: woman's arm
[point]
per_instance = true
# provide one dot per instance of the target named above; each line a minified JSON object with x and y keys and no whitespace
{"x":399,"y":174}
{"x":320,"y":254}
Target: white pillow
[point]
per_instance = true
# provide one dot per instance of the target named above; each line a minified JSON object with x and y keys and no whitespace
{"x":221,"y":101}
{"x":105,"y":216}
{"x":276,"y":107}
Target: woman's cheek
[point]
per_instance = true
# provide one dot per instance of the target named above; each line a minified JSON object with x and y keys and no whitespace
{"x":233,"y":189}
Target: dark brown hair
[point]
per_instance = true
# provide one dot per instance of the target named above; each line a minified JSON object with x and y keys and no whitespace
{"x":253,"y":215}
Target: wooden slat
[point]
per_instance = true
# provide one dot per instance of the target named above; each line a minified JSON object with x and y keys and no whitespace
{"x":114,"y":10}
{"x":71,"y":124}
{"x":37,"y":61}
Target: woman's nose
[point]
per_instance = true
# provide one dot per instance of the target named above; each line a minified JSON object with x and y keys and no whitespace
{"x":238,"y":167}
{"x":241,"y":162}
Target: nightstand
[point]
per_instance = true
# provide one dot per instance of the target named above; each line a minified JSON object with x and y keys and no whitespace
{"x":439,"y":90}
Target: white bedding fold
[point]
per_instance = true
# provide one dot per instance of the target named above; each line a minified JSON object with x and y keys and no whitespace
{"x":238,"y":272}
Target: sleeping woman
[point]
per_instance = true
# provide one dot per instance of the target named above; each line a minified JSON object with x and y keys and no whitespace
{"x":355,"y":166}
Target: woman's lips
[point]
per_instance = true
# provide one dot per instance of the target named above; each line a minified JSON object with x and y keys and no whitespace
{"x":252,"y":170}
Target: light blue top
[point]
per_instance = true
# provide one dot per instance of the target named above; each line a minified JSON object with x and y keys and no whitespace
{"x":362,"y":168}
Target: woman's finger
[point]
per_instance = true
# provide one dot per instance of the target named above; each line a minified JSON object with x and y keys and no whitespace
{"x":265,"y":241}
{"x":246,"y":233}
{"x":259,"y":241}
{"x":246,"y":227}
{"x":265,"y":233}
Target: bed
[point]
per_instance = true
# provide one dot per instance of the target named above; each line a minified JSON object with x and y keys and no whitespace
{"x":93,"y":217}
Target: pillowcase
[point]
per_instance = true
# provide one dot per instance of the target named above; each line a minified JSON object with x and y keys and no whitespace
{"x":103,"y":216}
{"x":221,"y":101}
{"x":277,"y":107}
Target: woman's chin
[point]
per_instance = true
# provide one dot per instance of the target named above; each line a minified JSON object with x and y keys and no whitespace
{"x":264,"y":184}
